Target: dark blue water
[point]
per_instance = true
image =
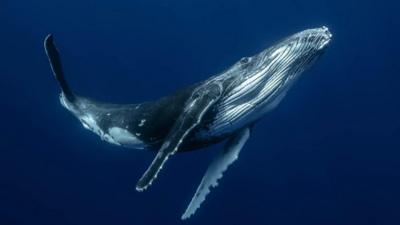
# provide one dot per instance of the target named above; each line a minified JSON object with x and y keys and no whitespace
{"x":328,"y":155}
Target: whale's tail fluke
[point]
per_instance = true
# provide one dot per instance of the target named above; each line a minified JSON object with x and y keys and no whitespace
{"x":56,"y":66}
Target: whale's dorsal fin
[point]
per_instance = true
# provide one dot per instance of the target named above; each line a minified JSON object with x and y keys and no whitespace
{"x":216,"y":169}
{"x":195,"y":108}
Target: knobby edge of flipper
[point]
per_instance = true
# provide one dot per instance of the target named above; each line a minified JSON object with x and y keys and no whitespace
{"x":228,"y":155}
{"x":56,"y":66}
{"x":195,"y":108}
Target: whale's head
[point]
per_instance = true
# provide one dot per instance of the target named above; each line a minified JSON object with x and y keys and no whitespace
{"x":261,"y":81}
{"x":287,"y":58}
{"x":295,"y":53}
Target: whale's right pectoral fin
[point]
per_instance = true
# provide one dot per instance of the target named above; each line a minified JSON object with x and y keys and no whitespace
{"x":199,"y":103}
{"x":216,"y":169}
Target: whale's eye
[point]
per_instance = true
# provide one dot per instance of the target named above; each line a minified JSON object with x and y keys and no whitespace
{"x":244,"y":60}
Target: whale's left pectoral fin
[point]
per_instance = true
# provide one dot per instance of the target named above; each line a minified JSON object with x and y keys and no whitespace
{"x":216,"y":169}
{"x":196,"y":107}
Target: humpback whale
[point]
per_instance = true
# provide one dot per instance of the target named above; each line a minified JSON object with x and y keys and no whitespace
{"x":224,"y":107}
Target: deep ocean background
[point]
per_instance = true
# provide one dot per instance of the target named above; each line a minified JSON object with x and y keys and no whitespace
{"x":328,"y":155}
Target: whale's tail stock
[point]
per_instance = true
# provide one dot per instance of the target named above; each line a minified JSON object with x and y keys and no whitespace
{"x":56,"y":66}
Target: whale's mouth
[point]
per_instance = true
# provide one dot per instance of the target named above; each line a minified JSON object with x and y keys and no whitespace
{"x":317,"y":38}
{"x":326,"y":37}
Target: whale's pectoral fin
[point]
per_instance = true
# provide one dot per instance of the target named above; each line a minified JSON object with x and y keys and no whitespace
{"x":215,"y":170}
{"x":199,"y":103}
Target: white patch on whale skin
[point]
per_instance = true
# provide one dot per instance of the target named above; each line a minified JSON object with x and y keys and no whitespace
{"x":142,"y":122}
{"x":64,"y":102}
{"x":124,"y":137}
{"x":90,"y":123}
{"x":115,"y":135}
